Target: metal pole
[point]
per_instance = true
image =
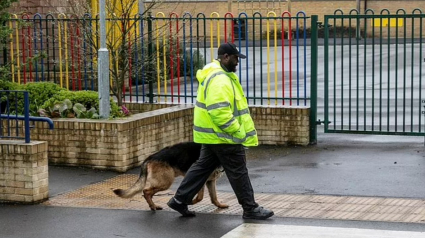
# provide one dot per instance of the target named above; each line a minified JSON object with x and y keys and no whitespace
{"x":27,"y":117}
{"x":313,"y":83}
{"x":358,"y":21}
{"x":103,"y":66}
{"x":150,"y":57}
{"x":141,"y":7}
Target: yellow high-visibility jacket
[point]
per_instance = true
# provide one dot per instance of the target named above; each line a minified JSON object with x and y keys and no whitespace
{"x":221,"y":110}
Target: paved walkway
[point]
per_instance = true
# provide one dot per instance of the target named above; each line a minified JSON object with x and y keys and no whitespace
{"x":100,"y":195}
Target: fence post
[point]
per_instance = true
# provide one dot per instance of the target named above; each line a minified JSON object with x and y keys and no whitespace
{"x":150,"y":57}
{"x":313,"y":83}
{"x":103,"y":66}
{"x":27,"y":117}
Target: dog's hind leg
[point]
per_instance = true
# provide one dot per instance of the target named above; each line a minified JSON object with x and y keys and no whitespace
{"x":213,"y":194}
{"x":160,"y":177}
{"x":148,"y":195}
{"x":199,"y":197}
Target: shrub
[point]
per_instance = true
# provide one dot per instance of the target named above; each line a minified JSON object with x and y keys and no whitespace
{"x":39,"y":93}
{"x":89,"y":99}
{"x":7,"y":85}
{"x":66,"y":109}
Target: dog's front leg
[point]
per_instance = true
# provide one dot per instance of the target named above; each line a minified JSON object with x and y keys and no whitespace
{"x":199,"y":197}
{"x":213,"y":194}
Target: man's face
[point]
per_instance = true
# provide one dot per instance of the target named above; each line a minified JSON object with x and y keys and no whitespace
{"x":231,"y":62}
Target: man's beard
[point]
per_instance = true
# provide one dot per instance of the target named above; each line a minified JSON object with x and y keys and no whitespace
{"x":234,"y":68}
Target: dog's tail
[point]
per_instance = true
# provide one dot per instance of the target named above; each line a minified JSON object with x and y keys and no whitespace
{"x":137,"y":186}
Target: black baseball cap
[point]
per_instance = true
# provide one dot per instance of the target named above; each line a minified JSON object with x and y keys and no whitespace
{"x":230,"y":49}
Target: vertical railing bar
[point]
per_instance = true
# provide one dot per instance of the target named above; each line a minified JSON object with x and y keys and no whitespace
{"x":342,"y":75}
{"x":396,"y":74}
{"x":411,"y":76}
{"x":420,"y":66}
{"x":357,"y":72}
{"x":326,"y":73}
{"x":142,"y":46}
{"x":54,"y":21}
{"x":184,"y":57}
{"x":261,"y":59}
{"x":16,"y":114}
{"x":298,"y":61}
{"x":136,"y":56}
{"x":27,"y":120}
{"x":85,"y":50}
{"x":313,"y":82}
{"x":305,"y":59}
{"x":373,"y":71}
{"x":246,"y":48}
{"x":389,"y":76}
{"x":1,"y":121}
{"x":334,"y":72}
{"x":48,"y":46}
{"x":12,"y":53}
{"x":404,"y":72}
{"x":8,"y":111}
{"x":253,"y":57}
{"x":364,"y":75}
{"x":191,"y":60}
{"x":35,"y":43}
{"x":380,"y":72}
{"x":92,"y":55}
{"x":349,"y":73}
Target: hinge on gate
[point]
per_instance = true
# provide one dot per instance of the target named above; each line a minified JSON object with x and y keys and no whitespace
{"x":423,"y":101}
{"x":319,"y":122}
{"x":321,"y":25}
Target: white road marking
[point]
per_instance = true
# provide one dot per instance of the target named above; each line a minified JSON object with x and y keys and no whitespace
{"x":284,"y":231}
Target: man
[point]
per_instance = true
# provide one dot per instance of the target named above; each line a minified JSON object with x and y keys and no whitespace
{"x":223,"y":125}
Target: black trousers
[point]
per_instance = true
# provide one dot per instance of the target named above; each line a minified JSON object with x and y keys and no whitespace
{"x":233,"y":160}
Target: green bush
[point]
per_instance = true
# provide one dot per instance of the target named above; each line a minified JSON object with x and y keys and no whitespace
{"x":39,"y":93}
{"x":90,"y":99}
{"x":7,"y":85}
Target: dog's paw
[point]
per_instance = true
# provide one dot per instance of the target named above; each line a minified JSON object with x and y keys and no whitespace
{"x":222,"y":205}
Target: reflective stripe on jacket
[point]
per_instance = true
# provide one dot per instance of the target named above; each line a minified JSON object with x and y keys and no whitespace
{"x":221,"y":109}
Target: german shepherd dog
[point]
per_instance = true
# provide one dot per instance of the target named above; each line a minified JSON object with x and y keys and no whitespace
{"x":159,"y":170}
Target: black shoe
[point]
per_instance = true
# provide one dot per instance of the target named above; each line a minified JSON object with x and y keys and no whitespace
{"x":258,"y":213}
{"x":181,"y":208}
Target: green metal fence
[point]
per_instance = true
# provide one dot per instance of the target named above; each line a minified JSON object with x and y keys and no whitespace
{"x":373,"y":72}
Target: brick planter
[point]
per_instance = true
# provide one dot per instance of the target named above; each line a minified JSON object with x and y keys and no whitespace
{"x":122,"y":144}
{"x":23,"y":172}
{"x":118,"y":144}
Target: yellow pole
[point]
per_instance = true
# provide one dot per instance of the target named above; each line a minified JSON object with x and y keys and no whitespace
{"x":11,"y":50}
{"x":66,"y":54}
{"x":158,"y":64}
{"x":268,"y":52}
{"x":60,"y":16}
{"x":212,"y":34}
{"x":275,"y":59}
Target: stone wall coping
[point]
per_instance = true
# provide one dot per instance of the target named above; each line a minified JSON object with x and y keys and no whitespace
{"x":20,"y":142}
{"x":135,"y":117}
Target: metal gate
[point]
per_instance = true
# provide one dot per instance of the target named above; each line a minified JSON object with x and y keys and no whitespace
{"x":374,"y":72}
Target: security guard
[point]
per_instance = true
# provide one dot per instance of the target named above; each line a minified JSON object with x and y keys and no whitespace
{"x":223,"y":125}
